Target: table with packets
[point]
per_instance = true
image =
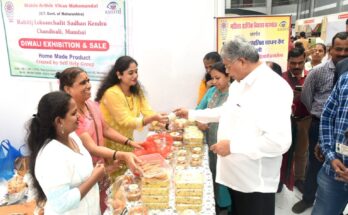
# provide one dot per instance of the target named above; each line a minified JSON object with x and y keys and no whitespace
{"x":188,"y":189}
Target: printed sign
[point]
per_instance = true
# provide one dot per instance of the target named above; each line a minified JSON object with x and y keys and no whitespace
{"x":269,"y":35}
{"x":44,"y":37}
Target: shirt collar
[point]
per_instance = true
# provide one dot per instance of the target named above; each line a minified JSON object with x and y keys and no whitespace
{"x":252,"y":76}
{"x":331,"y":65}
{"x":302,"y":74}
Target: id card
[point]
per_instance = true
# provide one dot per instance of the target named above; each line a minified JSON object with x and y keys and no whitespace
{"x":342,"y":149}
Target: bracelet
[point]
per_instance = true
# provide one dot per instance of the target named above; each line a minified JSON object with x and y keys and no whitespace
{"x":143,"y":122}
{"x":127,"y":141}
{"x":114,"y":155}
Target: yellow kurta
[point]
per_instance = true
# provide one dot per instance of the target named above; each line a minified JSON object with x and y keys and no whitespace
{"x":124,"y":114}
{"x":201,"y":91}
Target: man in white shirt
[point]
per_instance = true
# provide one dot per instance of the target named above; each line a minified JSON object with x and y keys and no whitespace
{"x":254,"y":129}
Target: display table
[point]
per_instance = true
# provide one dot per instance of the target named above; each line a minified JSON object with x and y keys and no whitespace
{"x":25,"y":208}
{"x":208,"y":206}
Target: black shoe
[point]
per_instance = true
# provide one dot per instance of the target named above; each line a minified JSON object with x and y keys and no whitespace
{"x":301,"y":206}
{"x":300,"y":185}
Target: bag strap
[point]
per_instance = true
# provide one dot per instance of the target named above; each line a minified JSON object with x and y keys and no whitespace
{"x":7,"y":142}
{"x":20,"y":148}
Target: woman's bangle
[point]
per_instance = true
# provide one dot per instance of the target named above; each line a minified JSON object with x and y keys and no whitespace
{"x":114,"y":155}
{"x":143,"y":122}
{"x":127,"y":141}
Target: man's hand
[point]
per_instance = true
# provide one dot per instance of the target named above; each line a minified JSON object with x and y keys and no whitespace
{"x":221,"y":148}
{"x":202,"y":126}
{"x":297,"y":94}
{"x":340,"y":169}
{"x":181,"y":112}
{"x":317,"y":153}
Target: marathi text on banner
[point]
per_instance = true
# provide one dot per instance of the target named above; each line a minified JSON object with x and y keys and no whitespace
{"x":269,"y":34}
{"x":44,"y":38}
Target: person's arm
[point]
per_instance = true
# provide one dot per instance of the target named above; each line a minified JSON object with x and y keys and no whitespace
{"x":112,"y":134}
{"x":54,"y":175}
{"x":149,"y":115}
{"x":308,"y":91}
{"x":266,"y":131}
{"x":207,"y":115}
{"x":115,"y":102}
{"x":93,"y":148}
{"x":327,"y":123}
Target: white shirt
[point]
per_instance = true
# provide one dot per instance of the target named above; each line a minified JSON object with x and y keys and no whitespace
{"x":60,"y":171}
{"x":256,"y":120}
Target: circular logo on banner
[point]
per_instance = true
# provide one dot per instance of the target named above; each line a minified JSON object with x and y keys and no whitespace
{"x":9,"y":9}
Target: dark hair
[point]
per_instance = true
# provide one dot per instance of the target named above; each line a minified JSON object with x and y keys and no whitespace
{"x":302,"y":34}
{"x":299,"y":45}
{"x":296,"y":52}
{"x":207,"y":77}
{"x":340,"y":35}
{"x":322,"y":45}
{"x":68,"y":76}
{"x":212,"y":56}
{"x":275,"y":67}
{"x":41,"y":130}
{"x":220,"y":67}
{"x":121,"y":65}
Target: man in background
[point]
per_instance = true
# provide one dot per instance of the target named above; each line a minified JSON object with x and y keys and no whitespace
{"x":303,"y":40}
{"x":316,"y":89}
{"x":300,"y":118}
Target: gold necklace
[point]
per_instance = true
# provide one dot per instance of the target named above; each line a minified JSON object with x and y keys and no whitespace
{"x":130,"y":108}
{"x":88,"y":116}
{"x":74,"y":146}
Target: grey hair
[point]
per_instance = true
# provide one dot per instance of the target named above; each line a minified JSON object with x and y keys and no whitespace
{"x":239,"y":48}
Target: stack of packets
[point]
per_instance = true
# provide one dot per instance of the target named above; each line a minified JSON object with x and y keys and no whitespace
{"x":155,"y":185}
{"x":189,"y":190}
{"x":193,"y":137}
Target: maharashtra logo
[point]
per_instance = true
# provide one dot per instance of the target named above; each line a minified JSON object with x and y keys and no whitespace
{"x":9,"y":9}
{"x":113,"y":8}
{"x":282,"y":24}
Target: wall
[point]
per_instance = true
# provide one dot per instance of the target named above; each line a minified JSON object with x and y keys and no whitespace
{"x":168,"y":39}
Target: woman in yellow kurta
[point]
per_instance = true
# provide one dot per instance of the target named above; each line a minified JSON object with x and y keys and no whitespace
{"x":123,"y":104}
{"x":208,"y":60}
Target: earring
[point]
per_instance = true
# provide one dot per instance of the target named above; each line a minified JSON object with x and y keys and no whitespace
{"x":62,"y":128}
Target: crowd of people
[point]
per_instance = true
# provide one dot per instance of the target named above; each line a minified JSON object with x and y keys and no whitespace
{"x":264,"y":128}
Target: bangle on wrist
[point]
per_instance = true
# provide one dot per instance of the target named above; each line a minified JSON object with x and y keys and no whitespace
{"x":143,"y":121}
{"x":127,"y":141}
{"x":114,"y":155}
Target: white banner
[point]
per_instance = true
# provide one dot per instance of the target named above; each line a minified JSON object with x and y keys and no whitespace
{"x":44,"y":37}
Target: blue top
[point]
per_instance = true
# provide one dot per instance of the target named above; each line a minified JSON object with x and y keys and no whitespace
{"x":206,"y":98}
{"x":334,"y":123}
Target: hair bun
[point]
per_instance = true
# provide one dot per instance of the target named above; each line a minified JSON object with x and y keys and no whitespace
{"x":58,"y":75}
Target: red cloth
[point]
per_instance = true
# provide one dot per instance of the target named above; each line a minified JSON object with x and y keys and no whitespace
{"x":152,"y":145}
{"x":299,"y":110}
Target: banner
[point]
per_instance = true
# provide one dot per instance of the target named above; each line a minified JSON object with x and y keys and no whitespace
{"x":269,"y":35}
{"x":44,"y":37}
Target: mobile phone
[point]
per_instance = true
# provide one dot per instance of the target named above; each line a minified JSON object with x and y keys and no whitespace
{"x":298,"y":88}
